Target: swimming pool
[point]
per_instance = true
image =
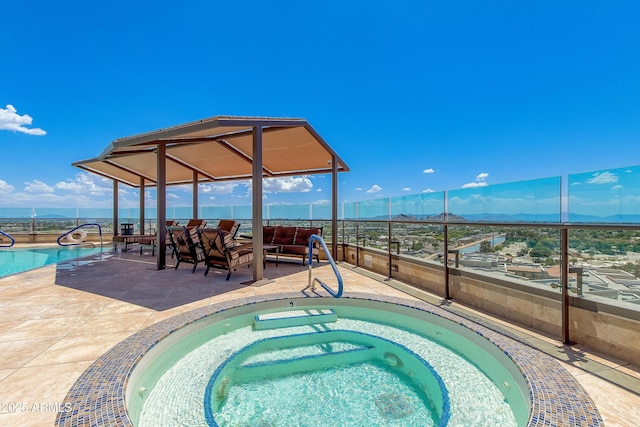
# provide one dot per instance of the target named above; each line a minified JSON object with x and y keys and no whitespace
{"x":114,"y":389}
{"x":18,"y":259}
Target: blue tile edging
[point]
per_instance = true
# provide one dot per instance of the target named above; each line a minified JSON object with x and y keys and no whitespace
{"x":98,"y":396}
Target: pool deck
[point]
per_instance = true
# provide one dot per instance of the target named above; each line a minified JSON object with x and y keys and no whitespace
{"x":57,"y":320}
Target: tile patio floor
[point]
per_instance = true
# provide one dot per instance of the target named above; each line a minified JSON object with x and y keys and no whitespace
{"x":56,"y":320}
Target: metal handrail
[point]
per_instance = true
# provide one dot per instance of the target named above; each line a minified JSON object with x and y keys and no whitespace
{"x":92,"y":224}
{"x":338,"y":294}
{"x":13,"y":242}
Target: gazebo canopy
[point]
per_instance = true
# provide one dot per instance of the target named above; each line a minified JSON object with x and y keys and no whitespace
{"x":220,"y":148}
{"x":217,"y":149}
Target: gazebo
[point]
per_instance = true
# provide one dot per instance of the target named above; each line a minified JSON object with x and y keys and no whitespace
{"x":218,"y":149}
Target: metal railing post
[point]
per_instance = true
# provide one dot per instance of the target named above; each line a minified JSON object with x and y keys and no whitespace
{"x":357,"y":245}
{"x":389,"y":249}
{"x":445,"y":250}
{"x":564,"y":244}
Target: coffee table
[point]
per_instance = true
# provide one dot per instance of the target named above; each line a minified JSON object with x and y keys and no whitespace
{"x":273,"y":249}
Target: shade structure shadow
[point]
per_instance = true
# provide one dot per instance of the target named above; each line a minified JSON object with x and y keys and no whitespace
{"x":135,"y":279}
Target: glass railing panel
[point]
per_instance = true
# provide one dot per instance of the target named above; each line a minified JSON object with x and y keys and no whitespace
{"x":126,"y":214}
{"x":16,"y":213}
{"x":16,"y":220}
{"x":525,"y":201}
{"x":216,"y":212}
{"x":242,"y":212}
{"x":180,"y":212}
{"x":422,"y":207}
{"x":321,"y":211}
{"x":55,"y":212}
{"x":327,"y":229}
{"x":348,"y":232}
{"x":373,"y":209}
{"x":150,"y":212}
{"x":104,"y":213}
{"x":348,"y":211}
{"x":605,"y":196}
{"x":289,"y":211}
{"x":604,"y":266}
{"x":373,"y":234}
{"x":422,"y":241}
{"x":55,"y":225}
{"x":528,"y":256}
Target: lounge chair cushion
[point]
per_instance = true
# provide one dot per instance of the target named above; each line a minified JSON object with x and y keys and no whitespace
{"x":229,"y":225}
{"x":196,"y":223}
{"x":284,"y":236}
{"x":267,"y":235}
{"x":303,"y":234}
{"x":223,"y":241}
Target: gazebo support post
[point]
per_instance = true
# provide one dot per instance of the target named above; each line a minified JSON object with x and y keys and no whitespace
{"x":256,"y":205}
{"x":115,"y":208}
{"x":142,"y":205}
{"x":194,"y":202}
{"x":162,"y":206}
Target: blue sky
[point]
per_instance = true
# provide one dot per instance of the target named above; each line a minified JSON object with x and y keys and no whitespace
{"x":415,"y":96}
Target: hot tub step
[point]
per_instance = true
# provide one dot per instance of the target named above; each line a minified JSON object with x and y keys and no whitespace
{"x":287,"y":319}
{"x":311,"y":363}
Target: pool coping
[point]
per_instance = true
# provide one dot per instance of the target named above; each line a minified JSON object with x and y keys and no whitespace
{"x":97,"y":398}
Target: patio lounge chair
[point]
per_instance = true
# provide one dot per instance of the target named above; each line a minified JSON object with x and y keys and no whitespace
{"x":200,"y":223}
{"x":186,"y":246}
{"x":220,"y":251}
{"x":229,"y":225}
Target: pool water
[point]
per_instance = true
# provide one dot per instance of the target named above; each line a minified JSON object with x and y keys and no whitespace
{"x":16,"y":260}
{"x":195,"y":389}
{"x":363,"y":394}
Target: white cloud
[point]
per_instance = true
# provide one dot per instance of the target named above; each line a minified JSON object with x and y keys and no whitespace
{"x":406,"y":189}
{"x":429,"y":170}
{"x":11,"y":120}
{"x":603,"y":178}
{"x":219,"y":188}
{"x":181,"y":187}
{"x":359,"y":189}
{"x":88,"y":184}
{"x":319,"y":190}
{"x":428,"y":190}
{"x":475,"y":184}
{"x":172,"y":196}
{"x":37,"y":187}
{"x":617,"y":187}
{"x":290,"y":184}
{"x":375,"y":189}
{"x":480,"y":181}
{"x":5,"y":188}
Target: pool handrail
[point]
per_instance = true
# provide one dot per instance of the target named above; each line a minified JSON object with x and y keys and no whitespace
{"x":13,"y":242}
{"x":338,"y":294}
{"x":90,"y":224}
